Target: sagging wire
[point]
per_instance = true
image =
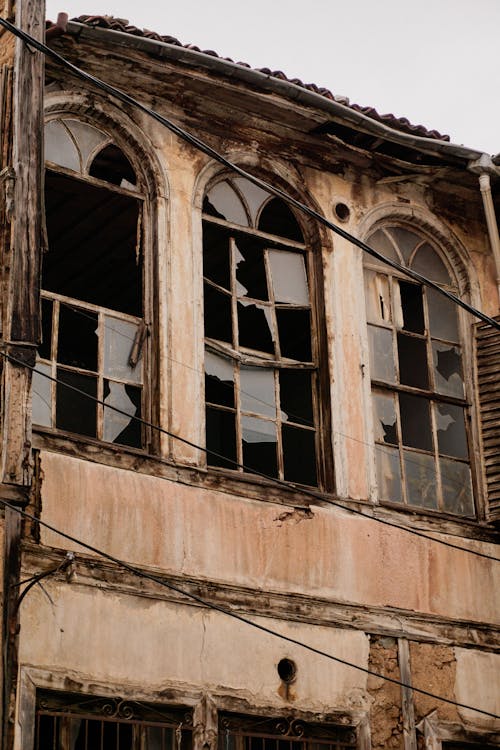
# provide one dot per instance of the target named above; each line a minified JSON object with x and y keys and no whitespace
{"x":235,"y":615}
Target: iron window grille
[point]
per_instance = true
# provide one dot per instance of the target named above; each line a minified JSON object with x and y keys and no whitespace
{"x":260,"y":733}
{"x":88,"y":723}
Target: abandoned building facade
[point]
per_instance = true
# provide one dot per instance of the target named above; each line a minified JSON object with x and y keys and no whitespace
{"x":205,"y":383}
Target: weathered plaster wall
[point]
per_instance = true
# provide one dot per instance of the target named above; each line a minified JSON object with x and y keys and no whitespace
{"x":213,"y":535}
{"x":159,"y":645}
{"x":477,"y":683}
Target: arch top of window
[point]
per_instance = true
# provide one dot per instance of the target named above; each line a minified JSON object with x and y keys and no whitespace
{"x":85,"y":149}
{"x":412,"y":250}
{"x":238,"y":201}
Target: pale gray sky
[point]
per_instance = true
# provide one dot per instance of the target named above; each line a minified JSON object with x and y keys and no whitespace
{"x":436,"y":62}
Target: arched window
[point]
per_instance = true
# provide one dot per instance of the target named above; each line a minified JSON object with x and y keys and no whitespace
{"x":416,"y":369}
{"x":261,"y":360}
{"x":92,"y":288}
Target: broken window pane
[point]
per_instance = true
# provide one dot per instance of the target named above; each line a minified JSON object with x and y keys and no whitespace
{"x":77,"y":341}
{"x":382,"y":244}
{"x":254,"y":324}
{"x":421,"y":480}
{"x":250,"y":270}
{"x":294,"y":329}
{"x":92,"y":234}
{"x":217,"y":312}
{"x":415,"y":421}
{"x":221,"y":438}
{"x":219,"y":380}
{"x":378,"y":301}
{"x":76,"y":412}
{"x":121,"y":428}
{"x":257,"y":390}
{"x":277,"y":218}
{"x":59,"y":146}
{"x":447,"y":369}
{"x":388,"y":474}
{"x":412,"y":354}
{"x":443,"y":320}
{"x":457,"y":487}
{"x":406,"y":241}
{"x":299,"y":453}
{"x":384,"y":418}
{"x":450,"y":423}
{"x":253,"y":195}
{"x":216,"y":263}
{"x":223,"y":202}
{"x":428,"y":263}
{"x":382,"y":364}
{"x":412,"y":307}
{"x":87,"y":137}
{"x":296,"y":396}
{"x":289,"y":278}
{"x":112,"y":165}
{"x":119,"y":337}
{"x":45,"y":347}
{"x":42,"y":396}
{"x":259,"y":445}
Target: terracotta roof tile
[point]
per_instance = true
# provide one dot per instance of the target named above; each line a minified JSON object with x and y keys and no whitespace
{"x":398,"y":123}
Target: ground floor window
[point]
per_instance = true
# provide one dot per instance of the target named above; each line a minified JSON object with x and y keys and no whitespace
{"x":258,"y":733}
{"x":88,"y":723}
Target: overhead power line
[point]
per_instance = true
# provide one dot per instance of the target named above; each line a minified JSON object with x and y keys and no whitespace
{"x":209,"y":151}
{"x":231,"y":613}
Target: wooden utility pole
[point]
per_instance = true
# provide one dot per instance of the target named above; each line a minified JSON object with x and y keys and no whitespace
{"x":21,"y":169}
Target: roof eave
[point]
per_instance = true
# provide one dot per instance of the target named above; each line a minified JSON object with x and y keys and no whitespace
{"x":289,"y":90}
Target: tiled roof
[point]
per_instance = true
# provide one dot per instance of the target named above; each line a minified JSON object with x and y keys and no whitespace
{"x":398,"y":123}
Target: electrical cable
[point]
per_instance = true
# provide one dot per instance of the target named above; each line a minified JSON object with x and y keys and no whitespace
{"x":40,"y":576}
{"x":276,"y":481}
{"x":235,"y":615}
{"x":209,"y":151}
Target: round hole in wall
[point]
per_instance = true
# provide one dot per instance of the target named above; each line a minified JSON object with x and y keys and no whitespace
{"x":287,"y":669}
{"x":342,"y":211}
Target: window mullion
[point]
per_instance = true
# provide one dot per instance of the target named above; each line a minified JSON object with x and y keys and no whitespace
{"x":235,"y":345}
{"x":54,"y":346}
{"x":100,"y":378}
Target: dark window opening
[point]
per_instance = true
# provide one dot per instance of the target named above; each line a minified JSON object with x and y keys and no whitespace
{"x":93,"y":254}
{"x":92,"y":331}
{"x":112,"y":165}
{"x":277,"y":218}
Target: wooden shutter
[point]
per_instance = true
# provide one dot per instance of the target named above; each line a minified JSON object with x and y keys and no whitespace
{"x":488,"y":375}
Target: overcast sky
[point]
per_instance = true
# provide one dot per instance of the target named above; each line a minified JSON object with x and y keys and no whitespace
{"x":436,"y":62}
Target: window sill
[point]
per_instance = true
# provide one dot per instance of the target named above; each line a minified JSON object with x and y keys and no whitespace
{"x":252,"y":487}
